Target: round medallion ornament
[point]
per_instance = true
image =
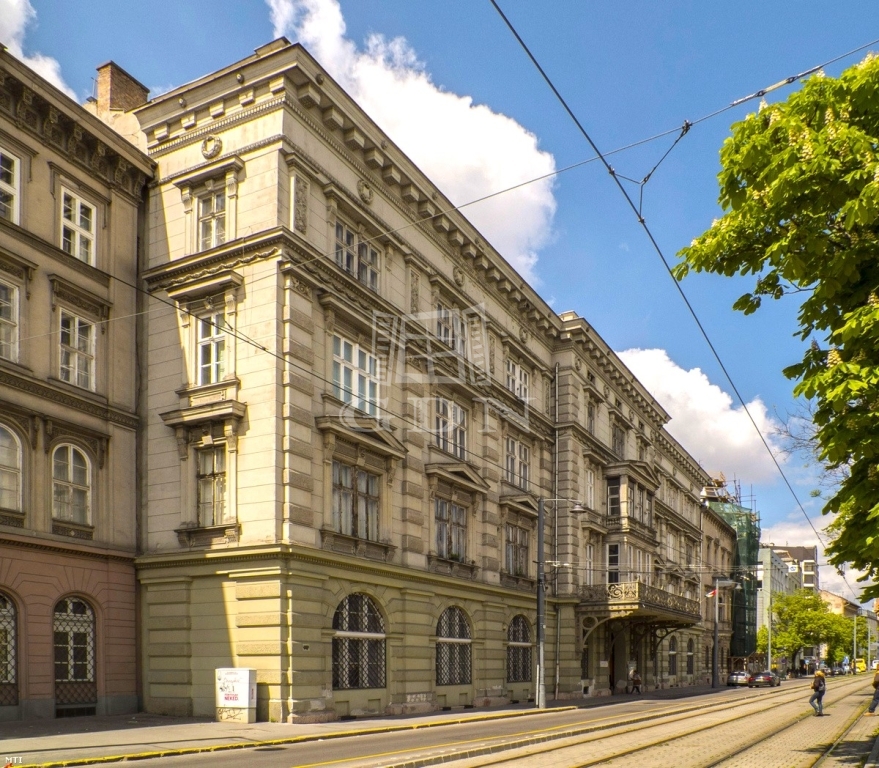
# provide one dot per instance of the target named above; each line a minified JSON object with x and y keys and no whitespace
{"x":211,"y":147}
{"x":365,"y":192}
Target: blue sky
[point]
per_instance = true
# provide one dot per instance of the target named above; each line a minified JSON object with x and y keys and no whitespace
{"x":629,"y":71}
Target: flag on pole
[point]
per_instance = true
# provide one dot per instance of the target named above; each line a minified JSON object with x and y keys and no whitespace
{"x":712,"y":593}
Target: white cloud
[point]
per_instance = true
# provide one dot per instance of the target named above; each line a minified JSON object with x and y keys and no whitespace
{"x":466,"y":149}
{"x":15,"y":16}
{"x":796,"y":532}
{"x":715,"y":432}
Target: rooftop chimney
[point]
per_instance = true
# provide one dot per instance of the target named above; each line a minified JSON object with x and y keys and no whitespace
{"x":117,"y":90}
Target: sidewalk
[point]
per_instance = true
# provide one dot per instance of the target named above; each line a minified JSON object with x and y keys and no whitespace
{"x":82,"y":740}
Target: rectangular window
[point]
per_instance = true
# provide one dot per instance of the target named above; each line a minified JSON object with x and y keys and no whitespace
{"x":211,"y":344}
{"x":8,"y":322}
{"x":613,"y":497}
{"x":355,"y":502}
{"x":518,"y":463}
{"x":516,"y":539}
{"x":613,"y":563}
{"x":672,"y":547}
{"x":78,"y":227}
{"x":10,"y":190}
{"x":590,"y":488}
{"x":451,"y":328}
{"x":355,"y":375}
{"x":618,"y":440}
{"x":357,"y":256}
{"x":77,"y":351}
{"x":517,"y":380}
{"x":212,"y":486}
{"x":211,"y":220}
{"x":451,"y":530}
{"x":451,"y":427}
{"x":590,"y":565}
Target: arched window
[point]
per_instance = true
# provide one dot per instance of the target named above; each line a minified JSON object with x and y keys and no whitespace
{"x":690,"y":648}
{"x":453,"y":648}
{"x":8,"y":647}
{"x":518,"y":651}
{"x":10,"y":471}
{"x":71,"y":485}
{"x":673,"y":656}
{"x":75,"y":657}
{"x":359,"y":644}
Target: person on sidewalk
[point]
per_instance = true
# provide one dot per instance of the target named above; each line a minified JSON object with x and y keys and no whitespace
{"x":875,"y":702}
{"x":636,"y":682}
{"x":819,"y":686}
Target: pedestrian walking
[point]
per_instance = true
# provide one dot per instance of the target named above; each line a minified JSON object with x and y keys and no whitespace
{"x":875,"y":702}
{"x":636,"y":682}
{"x":819,"y":686}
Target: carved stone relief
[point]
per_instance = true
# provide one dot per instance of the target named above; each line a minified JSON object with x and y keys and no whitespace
{"x":300,"y":205}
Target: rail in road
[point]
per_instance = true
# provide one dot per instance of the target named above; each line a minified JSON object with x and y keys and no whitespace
{"x":774,"y":728}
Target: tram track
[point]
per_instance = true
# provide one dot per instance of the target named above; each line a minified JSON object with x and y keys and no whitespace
{"x":481,"y":753}
{"x":486,"y":751}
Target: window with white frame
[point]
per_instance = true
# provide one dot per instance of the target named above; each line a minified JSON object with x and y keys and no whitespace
{"x":357,"y":256}
{"x":211,"y":490}
{"x":589,"y":565}
{"x":517,"y":539}
{"x":356,"y":375}
{"x":77,"y":363}
{"x":613,"y":563}
{"x":10,"y":470}
{"x":71,"y":485}
{"x":211,"y":219}
{"x":517,"y":379}
{"x":613,"y":497}
{"x":78,"y":219}
{"x":451,"y":328}
{"x":672,"y":544}
{"x":589,"y":495}
{"x":451,"y":530}
{"x":10,"y":186}
{"x":8,"y":322}
{"x":355,"y":501}
{"x":211,"y":347}
{"x":518,"y":463}
{"x":451,"y":427}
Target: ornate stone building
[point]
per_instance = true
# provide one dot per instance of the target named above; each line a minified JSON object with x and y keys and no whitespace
{"x":354,"y":405}
{"x":70,"y":216}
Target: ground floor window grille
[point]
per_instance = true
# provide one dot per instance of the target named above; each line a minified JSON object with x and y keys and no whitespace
{"x":453,"y":655}
{"x":519,"y":651}
{"x":75,"y":658}
{"x":8,"y":643}
{"x":359,"y":644}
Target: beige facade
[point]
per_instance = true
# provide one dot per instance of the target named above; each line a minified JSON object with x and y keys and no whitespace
{"x":70,"y":203}
{"x":354,"y":404}
{"x":719,"y":541}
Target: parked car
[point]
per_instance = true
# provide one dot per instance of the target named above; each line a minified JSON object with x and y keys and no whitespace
{"x":738,"y":678}
{"x":767,"y":678}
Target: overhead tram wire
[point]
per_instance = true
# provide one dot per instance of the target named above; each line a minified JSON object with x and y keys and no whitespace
{"x":652,"y":239}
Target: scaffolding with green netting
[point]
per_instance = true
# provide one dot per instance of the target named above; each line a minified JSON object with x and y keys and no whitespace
{"x":744,"y":603}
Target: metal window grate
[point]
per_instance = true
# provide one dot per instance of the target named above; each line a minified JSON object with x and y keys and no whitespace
{"x":74,"y":640}
{"x":8,"y":642}
{"x":453,"y":660}
{"x":358,"y":662}
{"x":519,"y":651}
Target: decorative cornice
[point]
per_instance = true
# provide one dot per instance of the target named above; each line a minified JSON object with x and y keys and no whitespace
{"x":48,"y":545}
{"x":127,"y":420}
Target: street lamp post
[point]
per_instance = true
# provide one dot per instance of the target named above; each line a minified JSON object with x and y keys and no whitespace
{"x":769,"y":635}
{"x":540,"y":683}
{"x":718,"y":584}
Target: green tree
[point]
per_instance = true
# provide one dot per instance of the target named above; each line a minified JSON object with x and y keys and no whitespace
{"x":839,"y":640}
{"x":801,"y":619}
{"x":800,"y":189}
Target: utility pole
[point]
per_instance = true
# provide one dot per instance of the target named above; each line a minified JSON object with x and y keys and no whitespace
{"x":540,"y":692}
{"x":769,"y":637}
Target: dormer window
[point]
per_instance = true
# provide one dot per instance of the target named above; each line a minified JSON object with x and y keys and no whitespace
{"x":357,"y":256}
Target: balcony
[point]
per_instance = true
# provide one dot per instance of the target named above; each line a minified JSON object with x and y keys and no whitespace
{"x":638,"y":600}
{"x":626,"y":524}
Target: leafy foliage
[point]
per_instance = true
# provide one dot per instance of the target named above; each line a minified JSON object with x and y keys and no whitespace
{"x":800,"y":189}
{"x":802,"y":619}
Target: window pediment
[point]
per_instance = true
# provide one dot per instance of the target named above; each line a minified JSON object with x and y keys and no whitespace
{"x":197,"y":176}
{"x":363,"y":430}
{"x":523,"y":503}
{"x":220,"y":410}
{"x":636,"y":470}
{"x":208,"y":286}
{"x":458,"y":473}
{"x":78,"y":297}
